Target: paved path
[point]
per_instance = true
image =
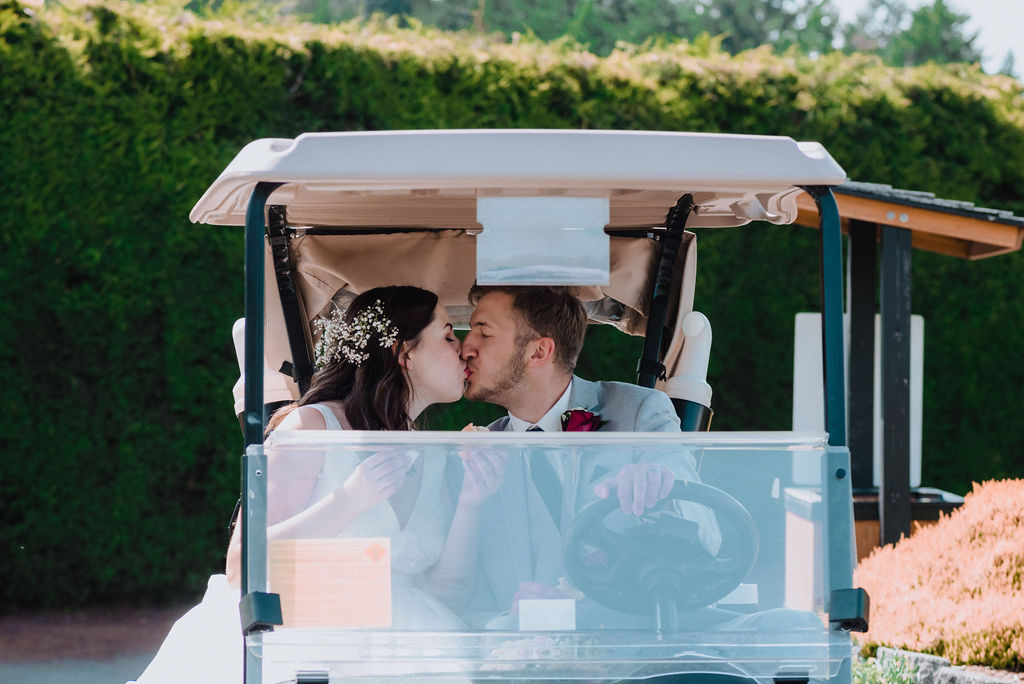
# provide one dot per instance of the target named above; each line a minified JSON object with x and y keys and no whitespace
{"x":99,"y":646}
{"x":116,"y":670}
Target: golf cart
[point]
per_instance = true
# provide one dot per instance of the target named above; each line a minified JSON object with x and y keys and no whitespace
{"x":329,"y":215}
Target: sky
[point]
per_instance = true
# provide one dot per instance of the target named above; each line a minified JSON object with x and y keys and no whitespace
{"x":998,"y":23}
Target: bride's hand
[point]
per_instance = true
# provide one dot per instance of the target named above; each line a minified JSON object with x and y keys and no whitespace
{"x":375,"y":479}
{"x":484,"y":473}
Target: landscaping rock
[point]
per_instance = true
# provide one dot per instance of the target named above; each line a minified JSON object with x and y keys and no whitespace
{"x":935,"y":670}
{"x":962,"y":675}
{"x":926,"y":665}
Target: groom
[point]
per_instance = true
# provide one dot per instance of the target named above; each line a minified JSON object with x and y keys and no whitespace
{"x":520,"y":353}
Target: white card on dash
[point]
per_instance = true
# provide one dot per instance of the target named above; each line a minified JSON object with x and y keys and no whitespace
{"x":547,"y":615}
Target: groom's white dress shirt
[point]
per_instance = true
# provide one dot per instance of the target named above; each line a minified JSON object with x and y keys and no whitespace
{"x":550,"y":422}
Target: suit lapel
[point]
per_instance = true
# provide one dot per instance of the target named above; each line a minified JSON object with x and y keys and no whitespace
{"x":584,"y":394}
{"x":499,"y":425}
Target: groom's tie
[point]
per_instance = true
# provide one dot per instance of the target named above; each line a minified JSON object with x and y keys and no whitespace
{"x":547,"y":482}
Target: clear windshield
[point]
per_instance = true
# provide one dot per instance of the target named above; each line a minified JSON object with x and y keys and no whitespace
{"x":494,"y":557}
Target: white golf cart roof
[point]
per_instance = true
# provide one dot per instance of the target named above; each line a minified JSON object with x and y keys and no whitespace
{"x":432,"y":179}
{"x":380,"y":208}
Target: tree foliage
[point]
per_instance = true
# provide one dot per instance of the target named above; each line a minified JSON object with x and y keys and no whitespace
{"x":931,"y":33}
{"x":936,"y":34}
{"x":887,"y":28}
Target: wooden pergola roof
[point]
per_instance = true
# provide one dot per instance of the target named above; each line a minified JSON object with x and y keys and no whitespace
{"x":880,"y":218}
{"x":949,"y":227}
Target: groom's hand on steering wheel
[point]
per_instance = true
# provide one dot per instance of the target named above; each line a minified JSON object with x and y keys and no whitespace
{"x":639,"y":485}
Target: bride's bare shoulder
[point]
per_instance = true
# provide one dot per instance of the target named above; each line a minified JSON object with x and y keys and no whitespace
{"x":303,"y":418}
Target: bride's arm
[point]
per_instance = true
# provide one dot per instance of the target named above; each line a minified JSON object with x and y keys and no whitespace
{"x":288,"y":512}
{"x":284,"y":497}
{"x":374,"y":480}
{"x":453,"y":578}
{"x":292,"y":479}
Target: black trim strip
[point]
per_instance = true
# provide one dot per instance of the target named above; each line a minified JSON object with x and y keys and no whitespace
{"x":278,"y":236}
{"x":675,"y":225}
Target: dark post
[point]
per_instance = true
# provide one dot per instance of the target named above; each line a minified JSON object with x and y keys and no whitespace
{"x":894,"y":494}
{"x":860,"y":289}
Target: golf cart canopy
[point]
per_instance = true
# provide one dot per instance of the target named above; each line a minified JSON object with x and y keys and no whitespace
{"x":445,"y":209}
{"x":432,"y":179}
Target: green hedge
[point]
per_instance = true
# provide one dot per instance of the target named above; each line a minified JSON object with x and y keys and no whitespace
{"x":120,"y":445}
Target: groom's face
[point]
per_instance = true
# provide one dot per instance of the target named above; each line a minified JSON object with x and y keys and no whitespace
{"x":494,"y":350}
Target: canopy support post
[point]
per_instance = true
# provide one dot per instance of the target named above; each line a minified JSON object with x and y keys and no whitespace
{"x":255,"y":227}
{"x":254,"y":534}
{"x":831,"y":312}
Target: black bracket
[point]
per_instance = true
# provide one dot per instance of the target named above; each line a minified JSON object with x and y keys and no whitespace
{"x":277,"y":237}
{"x":792,"y":675}
{"x":260,"y":612}
{"x":312,"y":677}
{"x":649,"y":369}
{"x":849,"y":609}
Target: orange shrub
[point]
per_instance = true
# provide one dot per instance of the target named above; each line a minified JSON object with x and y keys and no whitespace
{"x":956,"y":588}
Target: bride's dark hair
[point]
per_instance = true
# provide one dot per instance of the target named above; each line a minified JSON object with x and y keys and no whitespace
{"x":375,"y":390}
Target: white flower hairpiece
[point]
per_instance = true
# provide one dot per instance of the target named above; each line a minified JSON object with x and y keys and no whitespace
{"x":347,"y":340}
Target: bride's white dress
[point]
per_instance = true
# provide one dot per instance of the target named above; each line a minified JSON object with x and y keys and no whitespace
{"x":206,"y":645}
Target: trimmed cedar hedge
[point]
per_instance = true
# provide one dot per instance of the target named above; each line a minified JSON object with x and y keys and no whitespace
{"x":120,"y":446}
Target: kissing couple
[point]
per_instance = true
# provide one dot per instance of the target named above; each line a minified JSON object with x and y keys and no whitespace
{"x":456,"y":526}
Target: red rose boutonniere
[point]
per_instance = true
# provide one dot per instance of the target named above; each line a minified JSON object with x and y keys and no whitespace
{"x":581,"y":420}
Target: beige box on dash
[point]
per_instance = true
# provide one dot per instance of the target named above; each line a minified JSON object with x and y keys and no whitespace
{"x":333,"y":582}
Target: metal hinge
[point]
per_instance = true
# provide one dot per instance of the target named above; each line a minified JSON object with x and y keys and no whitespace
{"x":260,"y":612}
{"x":849,"y":609}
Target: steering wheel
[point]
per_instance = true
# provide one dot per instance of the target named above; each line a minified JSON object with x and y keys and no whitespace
{"x":641,"y":566}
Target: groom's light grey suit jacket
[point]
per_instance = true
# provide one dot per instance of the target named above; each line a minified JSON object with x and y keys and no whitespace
{"x":519,"y":539}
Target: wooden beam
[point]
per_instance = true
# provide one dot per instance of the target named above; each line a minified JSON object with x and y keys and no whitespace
{"x":941,"y":244}
{"x":931,"y":230}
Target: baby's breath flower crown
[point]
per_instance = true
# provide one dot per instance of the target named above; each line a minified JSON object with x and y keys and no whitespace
{"x":347,"y":340}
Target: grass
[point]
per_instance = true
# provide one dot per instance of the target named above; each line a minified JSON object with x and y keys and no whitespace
{"x":893,"y":671}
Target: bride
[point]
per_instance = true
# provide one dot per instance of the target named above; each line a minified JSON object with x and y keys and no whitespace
{"x":381,"y":363}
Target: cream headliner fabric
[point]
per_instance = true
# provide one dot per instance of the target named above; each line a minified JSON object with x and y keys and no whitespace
{"x":329,"y":267}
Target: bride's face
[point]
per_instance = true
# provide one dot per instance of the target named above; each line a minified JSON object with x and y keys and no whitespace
{"x":435,"y":371}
